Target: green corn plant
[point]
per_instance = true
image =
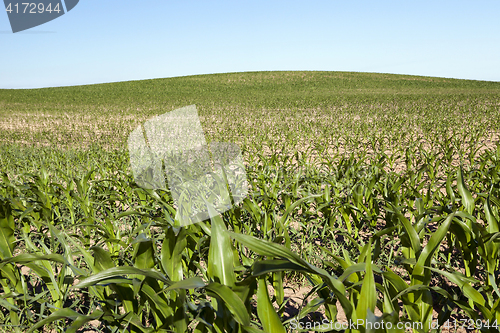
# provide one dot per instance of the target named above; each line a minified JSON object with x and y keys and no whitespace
{"x":9,"y":275}
{"x":418,"y":302}
{"x":336,"y":167}
{"x":289,"y":260}
{"x":491,"y":250}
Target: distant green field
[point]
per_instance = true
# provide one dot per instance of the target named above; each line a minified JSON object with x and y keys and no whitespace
{"x":259,"y":107}
{"x":376,"y":192}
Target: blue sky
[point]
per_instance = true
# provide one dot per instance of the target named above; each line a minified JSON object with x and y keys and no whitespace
{"x":121,"y":40}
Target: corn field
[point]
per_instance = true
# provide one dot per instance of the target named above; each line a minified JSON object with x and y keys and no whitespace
{"x":379,"y":194}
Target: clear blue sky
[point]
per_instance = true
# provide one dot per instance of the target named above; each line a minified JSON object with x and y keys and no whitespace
{"x":121,"y":40}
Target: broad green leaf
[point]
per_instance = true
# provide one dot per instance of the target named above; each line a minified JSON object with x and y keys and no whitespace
{"x":220,"y":254}
{"x":420,"y":275}
{"x":449,"y":189}
{"x":278,"y":287}
{"x":368,"y":295}
{"x":191,"y":283}
{"x":171,"y":253}
{"x":102,"y":259}
{"x":400,"y":286}
{"x":144,"y":254}
{"x":467,"y":199}
{"x":267,"y":314}
{"x":410,"y":231}
{"x":490,"y":217}
{"x":251,"y":329}
{"x":158,"y":301}
{"x":7,"y":239}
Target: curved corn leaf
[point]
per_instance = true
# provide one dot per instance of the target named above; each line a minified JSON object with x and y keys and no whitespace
{"x":27,"y":258}
{"x":310,"y":307}
{"x":117,"y":272}
{"x":262,"y":267}
{"x":67,"y":314}
{"x":82,"y":320}
{"x":295,"y":205}
{"x":420,"y":275}
{"x":463,"y":283}
{"x":232,"y":301}
{"x":467,"y":199}
{"x":412,"y":289}
{"x":270,"y":249}
{"x":410,"y":231}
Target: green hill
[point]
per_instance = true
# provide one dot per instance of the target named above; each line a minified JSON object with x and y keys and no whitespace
{"x":241,"y":105}
{"x":255,"y":89}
